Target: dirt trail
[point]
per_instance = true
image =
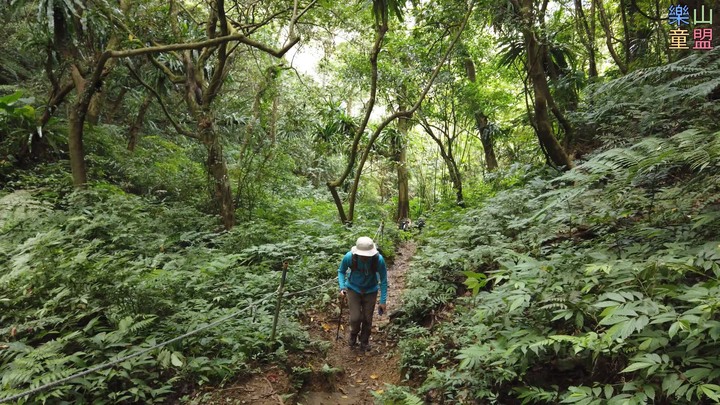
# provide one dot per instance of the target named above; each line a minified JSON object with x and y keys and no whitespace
{"x":363,"y":372}
{"x":336,"y":374}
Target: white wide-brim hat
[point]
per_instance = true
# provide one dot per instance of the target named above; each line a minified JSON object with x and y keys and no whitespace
{"x":364,"y":247}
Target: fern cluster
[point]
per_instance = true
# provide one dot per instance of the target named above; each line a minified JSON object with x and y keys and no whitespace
{"x":99,"y":274}
{"x":657,"y":101}
{"x":601,"y":285}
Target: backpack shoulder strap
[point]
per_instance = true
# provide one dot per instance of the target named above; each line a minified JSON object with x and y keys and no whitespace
{"x":354,"y":263}
{"x":375,"y":263}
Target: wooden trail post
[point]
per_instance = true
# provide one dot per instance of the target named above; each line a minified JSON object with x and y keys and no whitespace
{"x":279,"y":301}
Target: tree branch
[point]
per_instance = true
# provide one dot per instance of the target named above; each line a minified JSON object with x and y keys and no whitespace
{"x":368,"y":110}
{"x":166,"y":70}
{"x":609,"y":37}
{"x":57,"y":97}
{"x":219,"y":73}
{"x":642,"y":13}
{"x":154,"y":92}
{"x":408,"y":113}
{"x":279,"y":53}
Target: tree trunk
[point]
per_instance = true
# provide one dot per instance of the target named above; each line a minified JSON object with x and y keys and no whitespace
{"x":356,"y":182}
{"x":75,"y":146}
{"x":400,"y":154}
{"x":138,"y":123}
{"x":627,"y":33}
{"x":542,"y":95}
{"x":93,"y":114}
{"x":110,"y":116}
{"x":481,"y":121}
{"x":564,"y":123}
{"x":593,"y":30}
{"x":455,"y":177}
{"x":589,"y":40}
{"x":609,"y":37}
{"x":449,"y":160}
{"x":217,"y":167}
{"x":338,"y":204}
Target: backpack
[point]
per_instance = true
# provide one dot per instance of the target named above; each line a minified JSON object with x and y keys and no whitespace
{"x":374,"y":262}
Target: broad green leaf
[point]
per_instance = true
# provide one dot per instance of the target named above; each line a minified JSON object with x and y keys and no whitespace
{"x":636,"y":366}
{"x":176,"y":359}
{"x":711,"y":391}
{"x":608,"y":391}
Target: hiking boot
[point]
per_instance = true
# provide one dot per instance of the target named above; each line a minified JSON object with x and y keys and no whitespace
{"x":364,"y":347}
{"x":352,"y":343}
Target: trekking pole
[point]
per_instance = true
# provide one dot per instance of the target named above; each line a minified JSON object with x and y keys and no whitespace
{"x":337,"y":335}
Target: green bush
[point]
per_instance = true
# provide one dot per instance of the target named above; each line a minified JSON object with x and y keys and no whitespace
{"x":602,"y":284}
{"x":101,"y":273}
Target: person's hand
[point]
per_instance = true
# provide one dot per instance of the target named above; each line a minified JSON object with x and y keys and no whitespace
{"x":382,"y":308}
{"x":342,"y":295}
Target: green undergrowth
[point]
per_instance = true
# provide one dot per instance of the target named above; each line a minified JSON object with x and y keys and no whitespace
{"x":90,"y":276}
{"x":597,"y":286}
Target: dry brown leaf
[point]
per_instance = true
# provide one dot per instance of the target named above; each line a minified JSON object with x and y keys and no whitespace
{"x":374,"y":376}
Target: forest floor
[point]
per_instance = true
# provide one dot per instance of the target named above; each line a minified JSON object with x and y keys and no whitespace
{"x":334,"y":374}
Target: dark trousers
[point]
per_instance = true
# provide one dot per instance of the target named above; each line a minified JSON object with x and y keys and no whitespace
{"x":361,"y":314}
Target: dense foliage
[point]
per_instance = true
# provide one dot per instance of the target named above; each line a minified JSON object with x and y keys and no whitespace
{"x":95,"y":275}
{"x":160,"y":161}
{"x":596,"y":286}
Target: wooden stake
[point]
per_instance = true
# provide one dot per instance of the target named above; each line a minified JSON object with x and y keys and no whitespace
{"x":279,"y":302}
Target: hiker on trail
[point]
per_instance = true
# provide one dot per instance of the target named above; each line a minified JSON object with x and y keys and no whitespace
{"x":360,"y":288}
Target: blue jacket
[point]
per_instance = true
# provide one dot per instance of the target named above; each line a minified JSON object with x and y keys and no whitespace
{"x":362,"y":280}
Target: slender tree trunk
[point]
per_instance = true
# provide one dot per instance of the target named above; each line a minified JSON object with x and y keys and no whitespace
{"x":400,"y":154}
{"x":338,"y":204}
{"x":481,"y":121}
{"x":487,"y":141}
{"x":627,"y":33}
{"x":564,"y":123}
{"x":75,"y":146}
{"x":455,"y":177}
{"x":358,"y":173}
{"x":589,"y":40}
{"x":138,"y":123}
{"x":593,"y":30}
{"x":447,"y":157}
{"x":609,"y":37}
{"x":217,"y":167}
{"x":542,"y":93}
{"x":380,"y":31}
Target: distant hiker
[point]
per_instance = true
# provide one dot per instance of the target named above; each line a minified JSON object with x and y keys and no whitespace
{"x":405,"y":224}
{"x":420,"y":224}
{"x":360,"y":288}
